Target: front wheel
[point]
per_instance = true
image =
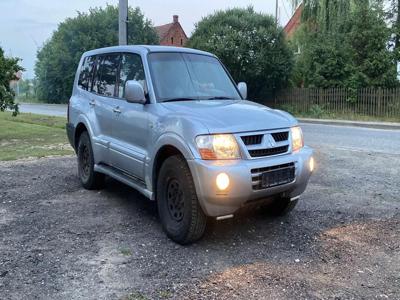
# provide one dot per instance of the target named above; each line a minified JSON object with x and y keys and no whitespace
{"x":89,"y":178}
{"x":181,"y":216}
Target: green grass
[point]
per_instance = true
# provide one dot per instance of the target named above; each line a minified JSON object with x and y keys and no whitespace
{"x":30,"y":135}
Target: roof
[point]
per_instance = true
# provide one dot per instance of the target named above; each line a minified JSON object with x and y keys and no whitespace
{"x":145,"y":49}
{"x":163,"y":30}
{"x":294,"y":21}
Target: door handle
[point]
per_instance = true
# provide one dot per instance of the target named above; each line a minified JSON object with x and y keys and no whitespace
{"x":92,"y":103}
{"x":117,"y":110}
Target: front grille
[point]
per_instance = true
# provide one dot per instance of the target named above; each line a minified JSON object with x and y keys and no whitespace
{"x":263,"y":178}
{"x":268,"y":151}
{"x":252,"y":139}
{"x":280,"y":136}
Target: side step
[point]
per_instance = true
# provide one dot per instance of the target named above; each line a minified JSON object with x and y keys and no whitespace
{"x":124,"y":178}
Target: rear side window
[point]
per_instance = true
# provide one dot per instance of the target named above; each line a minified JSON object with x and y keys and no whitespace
{"x":86,"y":74}
{"x":105,"y":82}
{"x":131,"y":69}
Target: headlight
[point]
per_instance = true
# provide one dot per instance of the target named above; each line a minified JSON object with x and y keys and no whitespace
{"x":218,"y":146}
{"x":297,"y":138}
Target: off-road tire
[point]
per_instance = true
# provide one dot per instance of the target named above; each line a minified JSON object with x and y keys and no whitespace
{"x":181,"y":215}
{"x":90,"y":179}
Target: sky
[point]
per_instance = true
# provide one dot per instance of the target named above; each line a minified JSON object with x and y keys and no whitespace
{"x":26,"y":24}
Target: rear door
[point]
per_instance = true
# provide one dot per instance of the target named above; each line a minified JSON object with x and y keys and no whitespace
{"x":130,"y":127}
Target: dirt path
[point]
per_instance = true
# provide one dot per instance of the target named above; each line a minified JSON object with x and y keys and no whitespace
{"x":58,"y":241}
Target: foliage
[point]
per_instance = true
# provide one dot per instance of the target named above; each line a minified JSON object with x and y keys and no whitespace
{"x":8,"y":70}
{"x":57,"y":60}
{"x":250,"y":46}
{"x":28,"y":135}
{"x":344,"y":43}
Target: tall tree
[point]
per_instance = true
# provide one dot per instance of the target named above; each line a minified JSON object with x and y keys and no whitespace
{"x":9,"y":67}
{"x":344,"y":43}
{"x":57,"y":60}
{"x":250,"y":45}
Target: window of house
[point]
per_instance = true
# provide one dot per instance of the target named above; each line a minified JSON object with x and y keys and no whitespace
{"x":172,"y":40}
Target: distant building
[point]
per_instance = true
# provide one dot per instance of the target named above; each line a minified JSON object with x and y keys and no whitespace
{"x":14,"y":82}
{"x":294,"y":23}
{"x":172,"y":34}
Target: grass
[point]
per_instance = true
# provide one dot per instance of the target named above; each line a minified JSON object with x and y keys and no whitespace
{"x":30,"y":135}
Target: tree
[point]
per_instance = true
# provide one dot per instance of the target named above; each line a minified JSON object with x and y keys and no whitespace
{"x":8,"y":69}
{"x":57,"y":60}
{"x":344,"y":43}
{"x":250,"y":45}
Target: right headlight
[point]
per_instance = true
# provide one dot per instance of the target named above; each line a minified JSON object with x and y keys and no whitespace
{"x":217,"y":146}
{"x":297,"y":138}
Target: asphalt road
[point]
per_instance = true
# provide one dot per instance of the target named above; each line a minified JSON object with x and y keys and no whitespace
{"x":58,"y":110}
{"x":59,"y":241}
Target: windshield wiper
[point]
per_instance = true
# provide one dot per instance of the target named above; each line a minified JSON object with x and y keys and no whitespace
{"x":220,"y":98}
{"x":179,"y":99}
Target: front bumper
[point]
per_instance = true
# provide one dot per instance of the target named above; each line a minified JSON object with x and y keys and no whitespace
{"x":240,"y":191}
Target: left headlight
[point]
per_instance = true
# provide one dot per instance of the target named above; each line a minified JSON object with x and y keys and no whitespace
{"x":297,"y":138}
{"x":217,"y":146}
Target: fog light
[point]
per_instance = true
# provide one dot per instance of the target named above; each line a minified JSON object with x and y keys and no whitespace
{"x":311,"y":164}
{"x":222,"y":181}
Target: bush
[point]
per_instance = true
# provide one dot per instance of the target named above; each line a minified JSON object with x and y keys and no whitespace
{"x":250,"y":45}
{"x":58,"y":59}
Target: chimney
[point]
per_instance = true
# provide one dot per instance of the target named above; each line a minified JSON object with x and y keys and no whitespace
{"x":176,"y":18}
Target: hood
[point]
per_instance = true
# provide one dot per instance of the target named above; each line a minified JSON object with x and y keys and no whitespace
{"x":232,"y":116}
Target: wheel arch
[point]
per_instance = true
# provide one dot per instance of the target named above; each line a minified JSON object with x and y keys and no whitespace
{"x":163,"y":153}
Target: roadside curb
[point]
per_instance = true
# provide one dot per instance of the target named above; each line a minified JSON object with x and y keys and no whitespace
{"x":376,"y":125}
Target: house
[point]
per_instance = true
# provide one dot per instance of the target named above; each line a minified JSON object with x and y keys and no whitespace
{"x":294,"y":23}
{"x":172,"y":34}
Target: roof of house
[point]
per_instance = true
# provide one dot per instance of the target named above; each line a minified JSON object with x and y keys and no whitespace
{"x":163,"y":30}
{"x":294,"y":21}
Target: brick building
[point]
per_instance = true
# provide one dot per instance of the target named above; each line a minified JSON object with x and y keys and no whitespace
{"x":172,"y":34}
{"x":294,"y":22}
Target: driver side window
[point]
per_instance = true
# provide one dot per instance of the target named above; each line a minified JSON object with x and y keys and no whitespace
{"x":131,"y":69}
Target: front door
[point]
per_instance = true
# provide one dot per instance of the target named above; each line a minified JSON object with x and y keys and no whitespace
{"x":128,"y":150}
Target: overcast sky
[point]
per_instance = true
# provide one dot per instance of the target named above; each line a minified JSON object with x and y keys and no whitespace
{"x":26,"y":24}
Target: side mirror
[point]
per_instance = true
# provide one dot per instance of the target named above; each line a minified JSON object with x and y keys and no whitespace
{"x":242,"y":86}
{"x":134,"y":92}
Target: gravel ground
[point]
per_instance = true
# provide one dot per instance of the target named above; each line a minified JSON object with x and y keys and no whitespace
{"x":59,"y":241}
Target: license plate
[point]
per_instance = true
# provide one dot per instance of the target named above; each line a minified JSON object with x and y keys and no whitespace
{"x":277,"y":177}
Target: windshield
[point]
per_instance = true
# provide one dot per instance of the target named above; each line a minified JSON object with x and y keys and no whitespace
{"x":183,"y":76}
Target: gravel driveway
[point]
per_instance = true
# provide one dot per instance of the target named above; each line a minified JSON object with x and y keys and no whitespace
{"x":59,"y":241}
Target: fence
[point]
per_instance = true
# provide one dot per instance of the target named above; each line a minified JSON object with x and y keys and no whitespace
{"x":373,"y":102}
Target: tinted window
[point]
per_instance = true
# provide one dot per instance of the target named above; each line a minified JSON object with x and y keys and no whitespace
{"x":86,"y":75}
{"x":131,"y":69}
{"x":106,"y":75}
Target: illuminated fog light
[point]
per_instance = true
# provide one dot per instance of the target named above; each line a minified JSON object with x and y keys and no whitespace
{"x":222,"y":181}
{"x":311,"y":164}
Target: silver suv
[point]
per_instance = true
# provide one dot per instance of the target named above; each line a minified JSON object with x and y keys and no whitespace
{"x":171,"y":123}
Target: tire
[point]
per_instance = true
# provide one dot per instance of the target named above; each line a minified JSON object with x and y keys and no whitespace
{"x":182,"y":218}
{"x":89,"y":178}
{"x":280,"y":207}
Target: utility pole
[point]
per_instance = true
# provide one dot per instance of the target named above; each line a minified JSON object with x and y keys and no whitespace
{"x":123,"y":22}
{"x":276,"y":12}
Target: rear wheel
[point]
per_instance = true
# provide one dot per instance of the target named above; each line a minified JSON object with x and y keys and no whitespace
{"x":181,"y":216}
{"x":280,"y":207}
{"x":89,"y":178}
